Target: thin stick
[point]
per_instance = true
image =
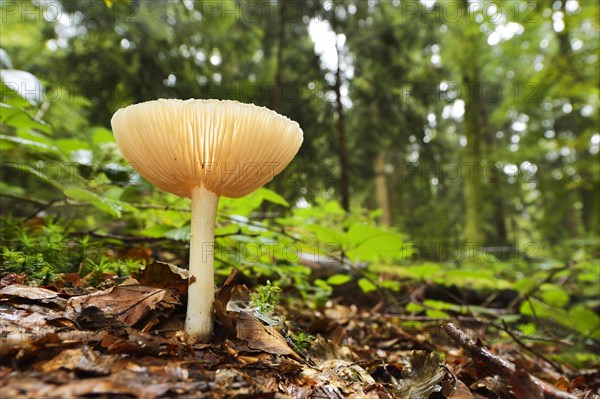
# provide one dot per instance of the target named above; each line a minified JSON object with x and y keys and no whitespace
{"x":518,"y":341}
{"x":501,"y":366}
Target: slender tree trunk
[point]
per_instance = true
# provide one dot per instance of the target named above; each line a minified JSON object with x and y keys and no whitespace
{"x":498,"y":215}
{"x":279,"y":65}
{"x":588,"y":213}
{"x":474,"y":234}
{"x":493,"y":179}
{"x":277,"y":183}
{"x":591,"y":209}
{"x":381,"y":189}
{"x":341,"y":128}
{"x":472,"y":166}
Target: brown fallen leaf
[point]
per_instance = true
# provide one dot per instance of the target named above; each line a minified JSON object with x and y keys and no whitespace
{"x":422,"y":377}
{"x":33,"y":293}
{"x":13,"y":278}
{"x":334,"y":379}
{"x":222,"y":299}
{"x":90,"y":386}
{"x":495,"y":385}
{"x":260,"y":337}
{"x":460,"y":391}
{"x":127,"y":303}
{"x":563,"y":384}
{"x":140,"y":253}
{"x":82,"y":360}
{"x":67,"y":280}
{"x":163,"y":275}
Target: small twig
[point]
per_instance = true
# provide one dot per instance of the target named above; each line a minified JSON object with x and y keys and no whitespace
{"x":134,"y":239}
{"x":119,"y":237}
{"x":162,"y":207}
{"x":501,"y":366}
{"x":41,"y":208}
{"x":239,"y":232}
{"x":534,"y":352}
{"x":425,"y":319}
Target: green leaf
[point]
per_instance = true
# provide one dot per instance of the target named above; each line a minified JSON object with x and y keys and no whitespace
{"x":391,"y":285}
{"x":240,"y":206}
{"x":101,"y":135}
{"x":36,"y":173}
{"x":180,"y":234}
{"x":328,"y":235}
{"x":322,"y":284}
{"x":112,"y":207}
{"x":20,"y":119}
{"x":366,"y":285}
{"x":584,"y":320}
{"x":554,"y":296}
{"x":474,"y":278}
{"x":68,"y":145}
{"x":414,"y":308}
{"x":272,"y":196}
{"x":437,"y":314}
{"x":526,"y":284}
{"x":35,"y":145}
{"x":338,"y":279}
{"x":439,"y":305}
{"x":230,"y":228}
{"x":9,"y":188}
{"x":538,"y":309}
{"x":424,"y":271}
{"x":157,"y":230}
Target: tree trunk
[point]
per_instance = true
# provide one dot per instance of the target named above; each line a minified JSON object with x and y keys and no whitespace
{"x":341,"y":128}
{"x":474,"y":234}
{"x":381,"y":189}
{"x":279,"y":64}
{"x":576,"y":224}
{"x":591,"y":209}
{"x":277,"y":90}
{"x":472,"y":167}
{"x":493,"y":179}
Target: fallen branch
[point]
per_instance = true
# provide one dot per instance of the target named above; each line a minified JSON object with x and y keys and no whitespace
{"x":503,"y":367}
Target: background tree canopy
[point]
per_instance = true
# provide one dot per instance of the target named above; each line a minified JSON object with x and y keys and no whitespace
{"x":452,"y":141}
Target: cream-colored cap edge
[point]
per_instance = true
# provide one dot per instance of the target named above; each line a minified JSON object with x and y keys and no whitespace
{"x":230,"y":148}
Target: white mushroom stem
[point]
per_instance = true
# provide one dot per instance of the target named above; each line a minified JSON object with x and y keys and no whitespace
{"x":201,"y":289}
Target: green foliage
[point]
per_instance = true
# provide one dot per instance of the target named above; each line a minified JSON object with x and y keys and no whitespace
{"x":265,"y":298}
{"x":33,"y":265}
{"x":301,"y":340}
{"x":39,"y":252}
{"x":42,"y":252}
{"x":98,"y":270}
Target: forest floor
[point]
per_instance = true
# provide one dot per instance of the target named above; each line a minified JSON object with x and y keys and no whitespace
{"x":126,"y":341}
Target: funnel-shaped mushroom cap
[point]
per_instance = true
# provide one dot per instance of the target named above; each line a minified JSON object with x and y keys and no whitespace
{"x":228,"y":147}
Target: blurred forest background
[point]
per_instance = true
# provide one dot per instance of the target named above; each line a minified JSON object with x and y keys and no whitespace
{"x":451,"y":141}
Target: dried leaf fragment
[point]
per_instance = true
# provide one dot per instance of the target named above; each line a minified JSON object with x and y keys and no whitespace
{"x":422,"y":377}
{"x":33,"y":293}
{"x":260,"y":337}
{"x":127,"y":303}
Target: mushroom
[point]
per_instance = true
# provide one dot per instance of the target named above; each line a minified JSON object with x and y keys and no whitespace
{"x":205,"y":149}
